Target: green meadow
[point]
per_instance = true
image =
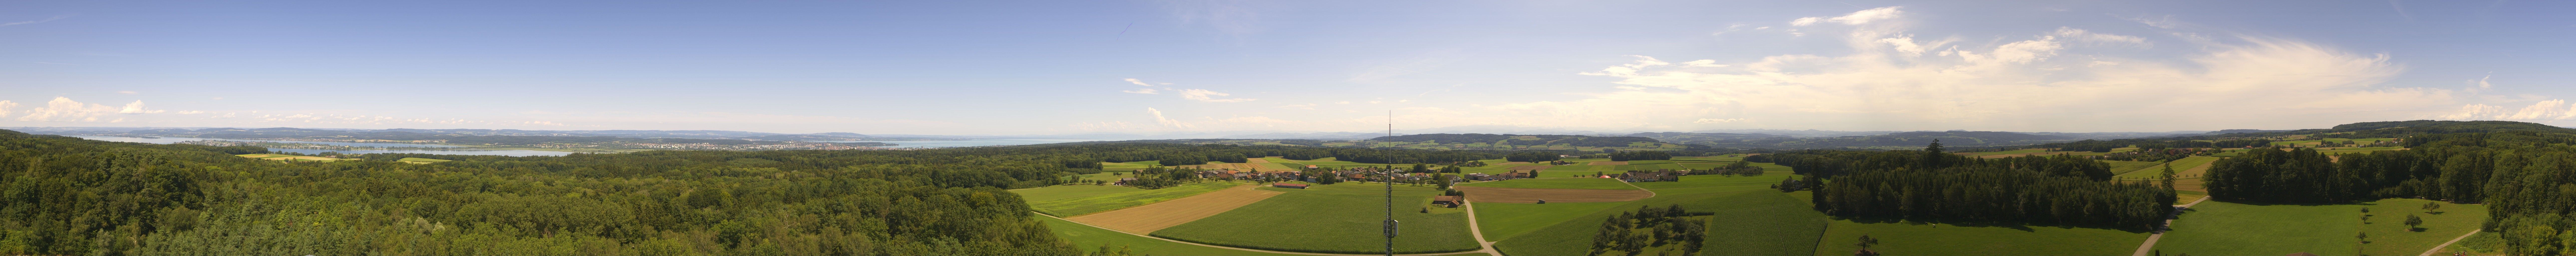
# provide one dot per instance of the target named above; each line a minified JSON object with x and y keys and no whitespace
{"x":1324,"y":219}
{"x":2124,"y":167}
{"x":1919,"y":238}
{"x":1581,"y":183}
{"x":2153,"y":172}
{"x":1500,"y":220}
{"x":1574,"y":236}
{"x":1077,"y":206}
{"x":2223,"y":228}
{"x":1090,"y":238}
{"x":417,"y":160}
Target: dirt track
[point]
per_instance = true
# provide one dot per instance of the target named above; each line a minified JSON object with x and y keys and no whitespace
{"x":1552,"y":195}
{"x":1148,"y":218}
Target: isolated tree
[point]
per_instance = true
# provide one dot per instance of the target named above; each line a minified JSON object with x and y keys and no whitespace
{"x":2363,"y":236}
{"x":1865,"y":242}
{"x":2430,"y":207}
{"x":2412,"y":221}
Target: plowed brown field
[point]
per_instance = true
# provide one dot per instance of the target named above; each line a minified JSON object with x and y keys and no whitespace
{"x":1148,"y":218}
{"x":1567,"y":195}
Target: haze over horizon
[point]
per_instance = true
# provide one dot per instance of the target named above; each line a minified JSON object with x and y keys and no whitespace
{"x":1146,"y":67}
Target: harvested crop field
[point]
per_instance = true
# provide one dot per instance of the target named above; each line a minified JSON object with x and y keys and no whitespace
{"x":1152,"y":217}
{"x":1552,"y":195}
{"x":1607,"y":163}
{"x":1256,"y":160}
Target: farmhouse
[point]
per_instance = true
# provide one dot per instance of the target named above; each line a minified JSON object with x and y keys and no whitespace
{"x":1124,"y":181}
{"x":1451,"y":201}
{"x":1289,"y":185}
{"x":1479,"y":177}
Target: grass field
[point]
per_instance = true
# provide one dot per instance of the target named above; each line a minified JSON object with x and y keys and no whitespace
{"x":1077,"y":206}
{"x":1151,"y":217}
{"x":1502,"y":220}
{"x":2016,"y":151}
{"x":2180,"y":166}
{"x":2125,"y":167}
{"x":1911,"y":238}
{"x":1574,"y":236}
{"x":1337,"y":218}
{"x":1765,"y":223}
{"x":288,"y":158}
{"x":1090,"y":238}
{"x":1061,"y":192}
{"x":1582,"y":183}
{"x":1128,"y":166}
{"x":417,"y":160}
{"x":2222,"y":228}
{"x":1771,"y":176}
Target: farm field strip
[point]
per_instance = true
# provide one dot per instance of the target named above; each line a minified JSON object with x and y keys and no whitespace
{"x":1099,"y":203}
{"x":1152,"y":217}
{"x":1551,"y":195}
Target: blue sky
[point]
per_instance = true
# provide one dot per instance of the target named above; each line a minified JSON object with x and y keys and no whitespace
{"x":1058,"y":67}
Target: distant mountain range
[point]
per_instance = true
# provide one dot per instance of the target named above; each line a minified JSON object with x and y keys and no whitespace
{"x":1734,"y":138}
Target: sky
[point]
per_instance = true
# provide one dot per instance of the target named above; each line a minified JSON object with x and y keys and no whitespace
{"x":1164,"y":67}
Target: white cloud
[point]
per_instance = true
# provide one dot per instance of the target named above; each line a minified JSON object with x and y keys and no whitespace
{"x":1855,"y":18}
{"x":2011,"y":85}
{"x":56,"y":17}
{"x":2090,"y":37}
{"x":1167,"y":122}
{"x":1204,"y":95}
{"x":1141,"y":82}
{"x":6,"y":106}
{"x":1142,"y":90}
{"x":137,"y":108}
{"x":64,"y":109}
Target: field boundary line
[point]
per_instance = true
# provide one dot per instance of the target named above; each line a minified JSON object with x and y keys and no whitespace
{"x":2438,"y":248}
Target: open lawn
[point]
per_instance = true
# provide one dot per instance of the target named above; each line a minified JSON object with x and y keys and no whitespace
{"x":1772,"y":176}
{"x":1916,"y":238}
{"x":1090,"y":238}
{"x":417,"y":160}
{"x":1128,"y":166}
{"x":1551,"y":195}
{"x":2223,"y":228}
{"x":1503,"y":220}
{"x":1078,"y":206}
{"x":1151,"y":217}
{"x":1581,"y":183}
{"x":1061,"y":192}
{"x":2180,"y":166}
{"x":1574,"y":236}
{"x":1764,"y":223}
{"x":2124,"y":167}
{"x":1333,"y":219}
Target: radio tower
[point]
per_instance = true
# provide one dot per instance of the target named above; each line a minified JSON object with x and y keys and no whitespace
{"x":1390,"y":190}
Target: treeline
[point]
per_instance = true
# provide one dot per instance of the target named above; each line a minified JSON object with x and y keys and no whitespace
{"x":1190,"y":154}
{"x":1532,"y":156}
{"x":2522,"y":173}
{"x":1933,"y":185}
{"x":1513,"y":139}
{"x":69,"y":196}
{"x":1640,"y":155}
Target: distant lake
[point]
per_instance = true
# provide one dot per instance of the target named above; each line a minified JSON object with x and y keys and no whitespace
{"x":514,"y":152}
{"x":971,"y":143}
{"x":168,"y":140}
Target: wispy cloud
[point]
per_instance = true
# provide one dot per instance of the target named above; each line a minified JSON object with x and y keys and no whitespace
{"x":64,"y":109}
{"x":1204,"y":95}
{"x":56,"y":17}
{"x":1854,"y":18}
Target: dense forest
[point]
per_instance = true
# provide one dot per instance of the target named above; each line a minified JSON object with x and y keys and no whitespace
{"x":70,"y":196}
{"x":1934,"y":185}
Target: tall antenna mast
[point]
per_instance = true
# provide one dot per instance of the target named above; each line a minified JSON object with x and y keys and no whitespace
{"x":1390,"y":123}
